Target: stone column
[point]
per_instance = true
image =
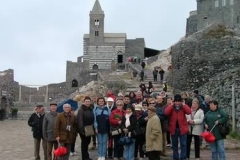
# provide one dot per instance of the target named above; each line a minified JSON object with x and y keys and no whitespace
{"x":20,"y":94}
{"x":46,"y":94}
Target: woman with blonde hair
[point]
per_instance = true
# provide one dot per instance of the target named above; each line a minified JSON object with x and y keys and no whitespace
{"x":195,"y":121}
{"x":186,"y":98}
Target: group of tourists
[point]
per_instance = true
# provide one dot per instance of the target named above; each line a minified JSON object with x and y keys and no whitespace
{"x":131,"y":126}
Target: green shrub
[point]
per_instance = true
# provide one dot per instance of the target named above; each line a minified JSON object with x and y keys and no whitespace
{"x":234,"y":135}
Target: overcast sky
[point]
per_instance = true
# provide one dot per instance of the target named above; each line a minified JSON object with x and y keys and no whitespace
{"x":37,"y":37}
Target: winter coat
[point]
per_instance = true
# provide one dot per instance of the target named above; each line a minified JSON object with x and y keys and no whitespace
{"x":205,"y":107}
{"x":177,"y":116}
{"x":101,"y":119}
{"x":116,"y":116}
{"x":133,"y":123}
{"x":60,"y":128}
{"x":141,"y":124}
{"x":153,"y":134}
{"x":160,"y":108}
{"x":197,"y":127}
{"x":85,"y":117}
{"x":36,"y":122}
{"x":211,"y":117}
{"x":48,"y":126}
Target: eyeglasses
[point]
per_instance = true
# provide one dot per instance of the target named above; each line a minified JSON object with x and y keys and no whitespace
{"x":151,"y":103}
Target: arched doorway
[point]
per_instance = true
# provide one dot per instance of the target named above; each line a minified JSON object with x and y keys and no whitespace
{"x":95,"y":67}
{"x":120,"y":57}
{"x":74,"y":83}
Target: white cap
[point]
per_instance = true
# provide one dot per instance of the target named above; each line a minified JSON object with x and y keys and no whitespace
{"x":110,"y":99}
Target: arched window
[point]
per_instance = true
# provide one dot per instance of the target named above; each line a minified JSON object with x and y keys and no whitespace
{"x":74,"y":83}
{"x":96,"y":22}
{"x":95,"y":67}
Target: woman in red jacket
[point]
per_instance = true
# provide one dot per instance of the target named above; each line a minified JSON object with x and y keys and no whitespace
{"x":115,"y":122}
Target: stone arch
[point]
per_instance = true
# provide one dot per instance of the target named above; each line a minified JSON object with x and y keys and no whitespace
{"x":96,"y":22}
{"x":95,"y":67}
{"x":74,"y":83}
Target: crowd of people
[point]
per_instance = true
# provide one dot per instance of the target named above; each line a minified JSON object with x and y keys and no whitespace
{"x":131,"y":126}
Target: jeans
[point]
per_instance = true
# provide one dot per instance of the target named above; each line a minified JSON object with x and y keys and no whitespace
{"x":118,"y":149}
{"x":85,"y":141}
{"x":102,"y":144}
{"x":129,"y":151}
{"x":183,"y":145}
{"x":218,"y":150}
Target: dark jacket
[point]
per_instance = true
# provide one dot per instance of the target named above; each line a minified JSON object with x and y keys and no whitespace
{"x":205,"y":107}
{"x":63,"y":120}
{"x":101,"y":121}
{"x":36,"y":122}
{"x":160,"y":109}
{"x":85,"y":117}
{"x":133,"y":123}
{"x":141,"y":124}
{"x":48,"y":126}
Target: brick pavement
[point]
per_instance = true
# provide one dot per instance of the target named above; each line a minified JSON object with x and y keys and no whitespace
{"x":16,"y":143}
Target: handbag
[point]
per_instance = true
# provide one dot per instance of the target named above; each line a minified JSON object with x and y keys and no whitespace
{"x":224,"y":128}
{"x":89,"y":131}
{"x":115,"y":131}
{"x":125,"y":140}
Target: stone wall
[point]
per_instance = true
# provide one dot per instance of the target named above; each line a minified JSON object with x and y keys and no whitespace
{"x":191,"y":26}
{"x":219,"y":88}
{"x":203,"y":55}
{"x":6,"y":80}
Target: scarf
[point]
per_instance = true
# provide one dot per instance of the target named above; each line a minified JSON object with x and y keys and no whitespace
{"x":127,"y":122}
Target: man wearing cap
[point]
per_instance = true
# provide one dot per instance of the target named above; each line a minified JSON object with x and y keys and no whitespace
{"x":48,"y":129}
{"x":178,"y":126}
{"x":36,"y":122}
{"x":153,"y":135}
{"x":65,"y":129}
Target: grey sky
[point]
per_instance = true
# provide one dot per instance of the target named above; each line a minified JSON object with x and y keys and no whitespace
{"x":37,"y":37}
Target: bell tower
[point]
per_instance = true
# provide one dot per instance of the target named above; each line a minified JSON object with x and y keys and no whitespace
{"x":96,"y":36}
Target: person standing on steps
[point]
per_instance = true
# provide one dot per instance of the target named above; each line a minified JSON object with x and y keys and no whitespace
{"x":142,"y":76}
{"x":143,"y":64}
{"x":164,"y":86}
{"x":161,"y":72}
{"x":155,"y":73}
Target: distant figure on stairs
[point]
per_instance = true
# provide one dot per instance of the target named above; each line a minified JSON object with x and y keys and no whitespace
{"x":155,"y":73}
{"x":161,"y":72}
{"x":143,"y":64}
{"x":164,"y":86}
{"x":150,"y":88}
{"x":142,"y":75}
{"x":142,"y":87}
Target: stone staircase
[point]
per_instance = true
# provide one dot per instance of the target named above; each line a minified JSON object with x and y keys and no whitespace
{"x":148,"y":77}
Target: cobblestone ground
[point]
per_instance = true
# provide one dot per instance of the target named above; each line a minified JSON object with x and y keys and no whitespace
{"x":16,"y":143}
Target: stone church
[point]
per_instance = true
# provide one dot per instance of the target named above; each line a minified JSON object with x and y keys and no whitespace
{"x":102,"y":50}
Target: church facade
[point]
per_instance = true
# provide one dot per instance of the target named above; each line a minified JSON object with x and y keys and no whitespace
{"x":101,"y":50}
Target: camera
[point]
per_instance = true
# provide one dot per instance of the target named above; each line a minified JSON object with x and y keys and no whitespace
{"x":68,"y":128}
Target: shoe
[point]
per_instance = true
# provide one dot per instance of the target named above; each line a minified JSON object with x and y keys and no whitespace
{"x":140,"y":158}
{"x":103,"y":158}
{"x":71,"y":153}
{"x":115,"y":158}
{"x":99,"y":158}
{"x":169,"y":145}
{"x":163,"y":155}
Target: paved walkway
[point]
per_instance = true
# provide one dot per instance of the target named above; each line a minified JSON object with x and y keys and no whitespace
{"x":16,"y":143}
